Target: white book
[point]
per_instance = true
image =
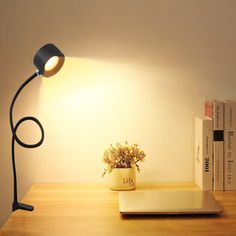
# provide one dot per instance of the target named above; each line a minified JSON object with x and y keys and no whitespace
{"x":230,"y":146}
{"x":203,"y":153}
{"x":218,"y":144}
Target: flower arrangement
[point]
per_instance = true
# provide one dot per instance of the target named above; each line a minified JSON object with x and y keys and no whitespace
{"x":122,"y":156}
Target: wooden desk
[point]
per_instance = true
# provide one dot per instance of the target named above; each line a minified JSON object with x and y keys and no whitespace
{"x":79,"y":209}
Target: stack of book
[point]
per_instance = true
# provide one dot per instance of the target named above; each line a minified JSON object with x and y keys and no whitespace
{"x":215,"y":147}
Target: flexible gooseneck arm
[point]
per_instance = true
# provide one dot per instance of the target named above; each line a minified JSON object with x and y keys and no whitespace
{"x":17,"y":205}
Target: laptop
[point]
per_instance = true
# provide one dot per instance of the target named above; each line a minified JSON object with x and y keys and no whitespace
{"x":160,"y":202}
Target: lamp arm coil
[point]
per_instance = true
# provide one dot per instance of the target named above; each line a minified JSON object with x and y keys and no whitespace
{"x":17,"y":205}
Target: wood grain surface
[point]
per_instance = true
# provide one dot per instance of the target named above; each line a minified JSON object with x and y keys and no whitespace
{"x":92,"y":209}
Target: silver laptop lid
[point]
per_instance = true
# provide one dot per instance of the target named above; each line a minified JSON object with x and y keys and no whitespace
{"x":168,"y":202}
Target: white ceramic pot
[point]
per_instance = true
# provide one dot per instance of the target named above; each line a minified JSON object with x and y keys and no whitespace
{"x":123,"y":179}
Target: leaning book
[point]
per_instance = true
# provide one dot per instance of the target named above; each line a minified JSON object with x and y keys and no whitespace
{"x":203,"y":153}
{"x":230,"y":146}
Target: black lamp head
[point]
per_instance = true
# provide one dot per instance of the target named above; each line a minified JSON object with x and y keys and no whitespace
{"x":49,"y":60}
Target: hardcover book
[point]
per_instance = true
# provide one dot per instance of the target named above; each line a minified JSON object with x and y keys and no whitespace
{"x":216,"y":110}
{"x":230,"y":146}
{"x":203,"y":153}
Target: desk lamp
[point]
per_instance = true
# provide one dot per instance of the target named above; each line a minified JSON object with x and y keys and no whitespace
{"x":48,"y":61}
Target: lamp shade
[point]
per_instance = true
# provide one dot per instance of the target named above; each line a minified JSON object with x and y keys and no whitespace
{"x":49,"y":60}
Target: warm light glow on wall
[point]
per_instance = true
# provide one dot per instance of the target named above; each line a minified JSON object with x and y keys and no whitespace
{"x":91,"y":103}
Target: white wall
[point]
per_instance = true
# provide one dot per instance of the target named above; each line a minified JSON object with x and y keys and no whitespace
{"x":135,"y":70}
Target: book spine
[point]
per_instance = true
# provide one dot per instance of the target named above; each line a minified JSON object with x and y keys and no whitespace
{"x":207,"y":155}
{"x":203,"y":153}
{"x":230,"y":146}
{"x":218,"y":145}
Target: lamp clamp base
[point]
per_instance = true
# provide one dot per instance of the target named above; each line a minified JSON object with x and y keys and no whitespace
{"x":21,"y":206}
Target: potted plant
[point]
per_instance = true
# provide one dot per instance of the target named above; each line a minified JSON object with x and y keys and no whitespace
{"x":121,"y":161}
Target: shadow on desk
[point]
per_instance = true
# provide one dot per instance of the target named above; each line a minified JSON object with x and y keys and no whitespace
{"x":170,"y":216}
